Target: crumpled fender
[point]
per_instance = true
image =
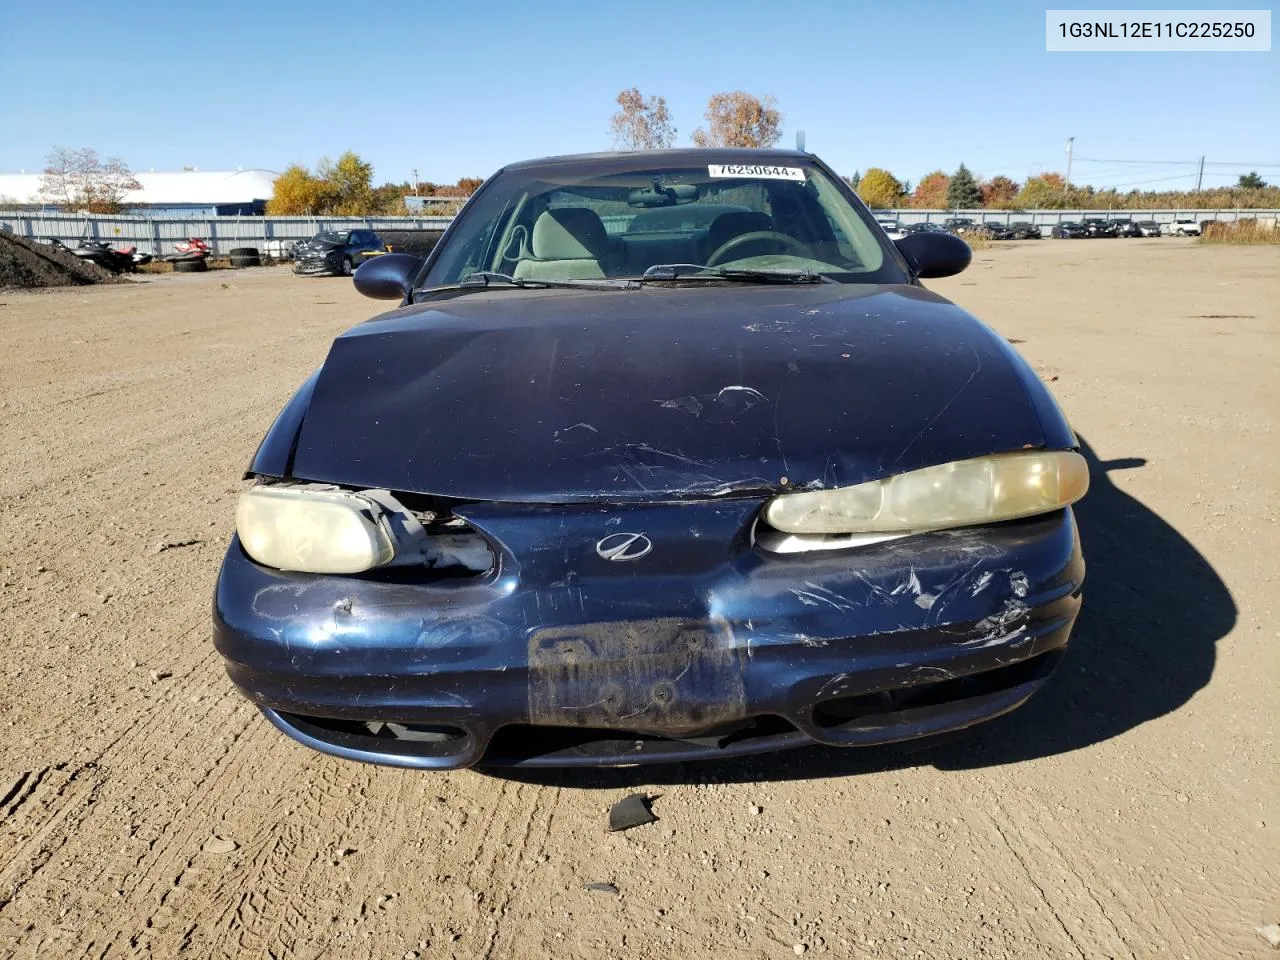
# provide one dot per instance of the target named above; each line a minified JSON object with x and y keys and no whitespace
{"x":274,"y":457}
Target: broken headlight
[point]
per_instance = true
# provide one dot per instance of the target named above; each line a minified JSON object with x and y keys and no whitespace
{"x":314,"y":529}
{"x":963,"y":493}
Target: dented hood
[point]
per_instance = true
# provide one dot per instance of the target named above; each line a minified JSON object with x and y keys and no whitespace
{"x":666,"y":393}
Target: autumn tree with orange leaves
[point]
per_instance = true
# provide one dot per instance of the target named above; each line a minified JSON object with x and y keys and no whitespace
{"x":931,"y":191}
{"x":738,"y":119}
{"x":998,"y":192}
{"x":880,"y":189}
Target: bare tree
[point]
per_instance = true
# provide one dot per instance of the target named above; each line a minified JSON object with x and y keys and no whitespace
{"x":78,"y":179}
{"x":641,"y":123}
{"x":738,"y":119}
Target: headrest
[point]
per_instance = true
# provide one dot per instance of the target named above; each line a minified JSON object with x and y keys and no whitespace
{"x":569,"y":233}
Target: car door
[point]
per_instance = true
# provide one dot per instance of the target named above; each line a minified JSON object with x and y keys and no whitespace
{"x":360,"y":246}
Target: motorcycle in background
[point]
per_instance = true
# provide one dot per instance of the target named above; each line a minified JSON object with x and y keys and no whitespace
{"x":102,"y":253}
{"x":190,"y":255}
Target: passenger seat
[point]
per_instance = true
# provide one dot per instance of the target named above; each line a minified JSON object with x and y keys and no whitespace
{"x":568,"y":243}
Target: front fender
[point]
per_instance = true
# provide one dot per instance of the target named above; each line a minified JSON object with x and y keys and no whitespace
{"x":275,"y":453}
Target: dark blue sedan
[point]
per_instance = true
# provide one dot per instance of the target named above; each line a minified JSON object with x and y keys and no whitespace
{"x":662,"y":456}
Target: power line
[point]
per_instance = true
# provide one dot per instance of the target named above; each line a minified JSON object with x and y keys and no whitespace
{"x":1138,"y":183}
{"x":1141,"y":162}
{"x":1179,"y":163}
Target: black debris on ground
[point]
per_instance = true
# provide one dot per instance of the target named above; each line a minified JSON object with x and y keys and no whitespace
{"x":631,"y":812}
{"x":25,"y":264}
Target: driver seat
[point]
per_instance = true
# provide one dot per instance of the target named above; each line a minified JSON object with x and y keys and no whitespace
{"x":567,"y":243}
{"x":729,"y":225}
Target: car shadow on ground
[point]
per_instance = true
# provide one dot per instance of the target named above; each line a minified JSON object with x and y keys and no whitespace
{"x":1144,"y":643}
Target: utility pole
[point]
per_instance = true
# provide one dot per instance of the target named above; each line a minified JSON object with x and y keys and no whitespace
{"x":1200,"y":173}
{"x":415,"y":181}
{"x":1067,"y":183}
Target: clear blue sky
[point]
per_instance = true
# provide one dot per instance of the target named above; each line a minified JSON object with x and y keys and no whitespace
{"x":911,"y":86}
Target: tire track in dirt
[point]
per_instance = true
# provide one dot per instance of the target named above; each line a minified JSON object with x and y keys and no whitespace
{"x":48,"y":818}
{"x":167,"y":840}
{"x":529,"y":826}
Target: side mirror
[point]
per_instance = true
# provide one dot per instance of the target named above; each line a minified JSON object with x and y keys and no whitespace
{"x":388,"y":277}
{"x":935,"y":254}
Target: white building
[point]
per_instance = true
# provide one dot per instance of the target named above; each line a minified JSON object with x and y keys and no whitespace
{"x":208,"y":192}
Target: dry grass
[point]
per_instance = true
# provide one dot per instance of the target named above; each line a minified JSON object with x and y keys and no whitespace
{"x":1241,"y":232}
{"x":977,"y":241}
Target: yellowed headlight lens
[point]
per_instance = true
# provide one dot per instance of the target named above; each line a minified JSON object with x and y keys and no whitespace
{"x":313,"y":531}
{"x":959,"y":494}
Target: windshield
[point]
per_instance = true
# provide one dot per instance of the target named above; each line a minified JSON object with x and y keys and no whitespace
{"x":332,"y":236}
{"x":587,"y":221}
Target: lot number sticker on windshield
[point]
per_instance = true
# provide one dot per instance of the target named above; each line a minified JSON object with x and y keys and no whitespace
{"x":755,"y":170}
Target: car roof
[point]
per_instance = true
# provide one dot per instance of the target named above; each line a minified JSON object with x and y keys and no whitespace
{"x":622,"y":161}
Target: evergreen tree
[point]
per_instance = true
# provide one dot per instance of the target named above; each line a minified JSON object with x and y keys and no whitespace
{"x":963,"y":192}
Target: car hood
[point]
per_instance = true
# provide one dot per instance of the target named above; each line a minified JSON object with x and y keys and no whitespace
{"x":665,"y":393}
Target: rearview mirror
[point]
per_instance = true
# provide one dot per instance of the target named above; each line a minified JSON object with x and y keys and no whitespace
{"x":663,"y":195}
{"x":387,"y":277}
{"x":935,"y":254}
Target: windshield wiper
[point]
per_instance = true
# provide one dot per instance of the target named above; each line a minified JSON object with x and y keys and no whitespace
{"x":483,"y":278}
{"x":700,"y":272}
{"x":492,"y":280}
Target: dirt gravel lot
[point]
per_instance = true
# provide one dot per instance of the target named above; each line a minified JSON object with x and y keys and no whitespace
{"x":1130,"y":811}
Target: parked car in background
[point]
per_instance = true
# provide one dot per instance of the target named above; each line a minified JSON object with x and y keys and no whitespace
{"x":958,"y":224}
{"x":927,"y":227}
{"x":1126,"y":228}
{"x":336,"y":252}
{"x":1025,"y":230}
{"x":1184,"y":228}
{"x":1099,"y":227}
{"x":507,"y":524}
{"x":993,"y":230}
{"x":1069,"y":230}
{"x":1149,"y":228}
{"x":892,"y":227}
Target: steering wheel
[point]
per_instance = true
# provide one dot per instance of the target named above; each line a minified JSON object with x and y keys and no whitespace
{"x":781,"y":239}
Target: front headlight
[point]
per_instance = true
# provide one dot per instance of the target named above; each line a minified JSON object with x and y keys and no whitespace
{"x":959,"y":494}
{"x":313,"y":530}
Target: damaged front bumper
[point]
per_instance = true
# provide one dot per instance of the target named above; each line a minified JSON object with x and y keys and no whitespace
{"x":313,"y":266}
{"x":708,"y":646}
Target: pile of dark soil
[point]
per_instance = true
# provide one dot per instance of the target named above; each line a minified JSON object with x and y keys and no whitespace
{"x":24,"y":264}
